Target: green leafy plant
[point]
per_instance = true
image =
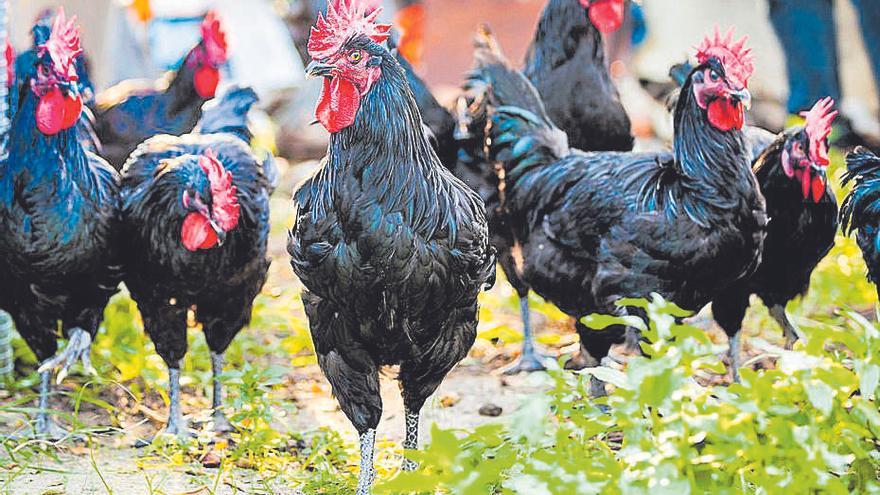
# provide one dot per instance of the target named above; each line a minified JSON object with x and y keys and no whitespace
{"x":809,"y":426}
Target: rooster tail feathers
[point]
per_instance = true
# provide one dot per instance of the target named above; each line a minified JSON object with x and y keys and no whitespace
{"x":862,"y":204}
{"x":522,"y":134}
{"x":486,"y":46}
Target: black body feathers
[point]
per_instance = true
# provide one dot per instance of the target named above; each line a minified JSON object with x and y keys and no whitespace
{"x":860,"y":210}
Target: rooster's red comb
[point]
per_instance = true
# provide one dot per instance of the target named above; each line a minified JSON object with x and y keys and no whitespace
{"x":214,"y":39}
{"x":344,"y":20}
{"x":737,"y":60}
{"x":818,"y":127}
{"x":224,"y":199}
{"x":10,"y":64}
{"x":63,"y":45}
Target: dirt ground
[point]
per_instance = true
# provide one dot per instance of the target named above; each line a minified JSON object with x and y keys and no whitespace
{"x":456,"y":404}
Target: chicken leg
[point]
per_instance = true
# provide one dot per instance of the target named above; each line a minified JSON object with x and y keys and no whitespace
{"x":46,"y":426}
{"x":733,"y":353}
{"x":411,"y":441}
{"x":368,"y":470}
{"x":176,"y":426}
{"x":221,"y":422}
{"x":791,"y":332}
{"x":78,"y":348}
{"x":530,"y":360}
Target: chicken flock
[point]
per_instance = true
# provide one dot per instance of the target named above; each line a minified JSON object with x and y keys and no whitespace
{"x":155,"y":184}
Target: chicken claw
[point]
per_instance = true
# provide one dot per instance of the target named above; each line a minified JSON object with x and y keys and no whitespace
{"x":78,"y":348}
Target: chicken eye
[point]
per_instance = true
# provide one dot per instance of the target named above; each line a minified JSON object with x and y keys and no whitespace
{"x":355,"y":57}
{"x":714,"y":76}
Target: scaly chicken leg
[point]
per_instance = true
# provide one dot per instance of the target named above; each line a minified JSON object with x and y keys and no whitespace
{"x":46,"y":426}
{"x":733,"y":354}
{"x":790,"y":331}
{"x":368,"y":470}
{"x":411,"y":441}
{"x":78,"y":348}
{"x":221,"y":422}
{"x":530,"y":360}
{"x":176,"y":426}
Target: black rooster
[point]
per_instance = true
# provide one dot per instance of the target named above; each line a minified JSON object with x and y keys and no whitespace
{"x":566,"y":63}
{"x":196,"y":224}
{"x":133,"y":111}
{"x":803,"y":222}
{"x":59,"y":215}
{"x":596,"y":227}
{"x":391,"y":247}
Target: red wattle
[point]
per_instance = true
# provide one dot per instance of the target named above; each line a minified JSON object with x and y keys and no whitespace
{"x":806,"y":183}
{"x":50,"y":112}
{"x":197,"y":233}
{"x":606,"y":15}
{"x":206,"y":81}
{"x":338,"y":105}
{"x":72,"y":110}
{"x":818,"y":189}
{"x":725,"y":115}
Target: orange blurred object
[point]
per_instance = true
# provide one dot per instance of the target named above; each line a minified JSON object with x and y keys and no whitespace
{"x":142,"y":9}
{"x":410,"y":21}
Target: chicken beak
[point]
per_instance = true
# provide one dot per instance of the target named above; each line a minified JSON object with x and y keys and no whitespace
{"x":319,"y":69}
{"x":744,"y":97}
{"x":221,"y":234}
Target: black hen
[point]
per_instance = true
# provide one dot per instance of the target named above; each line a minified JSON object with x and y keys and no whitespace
{"x":196,"y":224}
{"x":59,"y":217}
{"x":391,"y":247}
{"x":566,"y":63}
{"x":133,"y":111}
{"x":860,"y":210}
{"x":803,"y":222}
{"x":596,"y":227}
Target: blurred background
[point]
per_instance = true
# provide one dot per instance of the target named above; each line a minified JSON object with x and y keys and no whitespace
{"x":142,"y":38}
{"x":275,"y":366}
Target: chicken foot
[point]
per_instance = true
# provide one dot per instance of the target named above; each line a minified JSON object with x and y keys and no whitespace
{"x":79,"y":347}
{"x":368,"y":471}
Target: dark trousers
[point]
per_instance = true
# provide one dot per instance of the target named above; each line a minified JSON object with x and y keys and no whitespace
{"x":808,"y":35}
